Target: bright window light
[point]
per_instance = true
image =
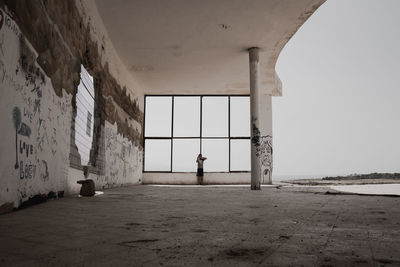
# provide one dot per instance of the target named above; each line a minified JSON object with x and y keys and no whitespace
{"x":158,"y":116}
{"x":186,"y":116}
{"x":184,"y":153}
{"x":158,"y":155}
{"x":215,"y":116}
{"x":216,"y":126}
{"x":217,"y":153}
{"x":240,"y":116}
{"x":240,"y":155}
{"x":84,"y":116}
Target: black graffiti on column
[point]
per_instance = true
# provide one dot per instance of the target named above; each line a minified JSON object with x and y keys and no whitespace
{"x":265,"y":151}
{"x":256,"y":134}
{"x":263,"y":146}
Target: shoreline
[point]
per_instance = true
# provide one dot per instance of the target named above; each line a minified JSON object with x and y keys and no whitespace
{"x":373,"y":178}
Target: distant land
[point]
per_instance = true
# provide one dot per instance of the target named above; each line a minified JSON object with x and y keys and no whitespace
{"x":372,"y":178}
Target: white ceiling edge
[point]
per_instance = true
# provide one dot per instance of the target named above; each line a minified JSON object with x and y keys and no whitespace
{"x":200,"y":47}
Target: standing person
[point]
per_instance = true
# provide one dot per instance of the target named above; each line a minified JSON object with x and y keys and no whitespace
{"x":200,"y":159}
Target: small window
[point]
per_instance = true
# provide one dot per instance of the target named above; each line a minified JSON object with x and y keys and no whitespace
{"x":240,"y":116}
{"x":158,"y":116}
{"x":160,"y":151}
{"x":186,"y":116}
{"x":215,"y":116}
{"x":240,"y":155}
{"x":217,"y":153}
{"x":184,"y":154}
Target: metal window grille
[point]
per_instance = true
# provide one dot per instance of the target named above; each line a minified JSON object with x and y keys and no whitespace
{"x":84,"y":114}
{"x":89,"y":124}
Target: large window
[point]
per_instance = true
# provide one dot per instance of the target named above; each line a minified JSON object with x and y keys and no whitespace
{"x":178,"y":128}
{"x":84,"y":116}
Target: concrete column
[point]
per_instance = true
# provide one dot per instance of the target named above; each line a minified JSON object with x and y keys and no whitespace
{"x":261,"y":127}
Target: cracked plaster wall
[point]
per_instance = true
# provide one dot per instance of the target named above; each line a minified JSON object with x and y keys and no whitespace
{"x":42,"y":44}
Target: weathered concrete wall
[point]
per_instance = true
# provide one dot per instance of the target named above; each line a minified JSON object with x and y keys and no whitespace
{"x":42,"y":44}
{"x":35,"y":123}
{"x":123,"y":157}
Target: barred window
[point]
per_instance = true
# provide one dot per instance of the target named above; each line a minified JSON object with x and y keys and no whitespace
{"x":84,"y":117}
{"x":89,"y":124}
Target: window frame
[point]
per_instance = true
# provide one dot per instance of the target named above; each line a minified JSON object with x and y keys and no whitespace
{"x":171,"y":138}
{"x":85,"y":86}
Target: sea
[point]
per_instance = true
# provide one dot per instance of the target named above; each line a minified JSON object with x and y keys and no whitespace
{"x":279,"y":177}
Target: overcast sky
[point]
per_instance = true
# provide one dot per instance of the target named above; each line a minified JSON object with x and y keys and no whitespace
{"x":340,"y":109}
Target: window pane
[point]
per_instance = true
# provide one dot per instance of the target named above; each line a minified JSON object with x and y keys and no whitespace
{"x":240,"y":116}
{"x":83,"y":119}
{"x":217,"y":153}
{"x":185,"y":152}
{"x":215,"y":116}
{"x":240,"y":155}
{"x":157,"y":155}
{"x":158,"y":116}
{"x":187,"y":116}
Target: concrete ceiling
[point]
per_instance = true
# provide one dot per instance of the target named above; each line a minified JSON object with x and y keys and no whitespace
{"x":193,"y":47}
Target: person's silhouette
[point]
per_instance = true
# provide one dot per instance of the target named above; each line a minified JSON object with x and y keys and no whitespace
{"x":200,"y":173}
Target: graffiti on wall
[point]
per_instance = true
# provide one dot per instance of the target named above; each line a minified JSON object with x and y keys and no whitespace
{"x":263,"y":149}
{"x":39,"y":119}
{"x":44,"y":172}
{"x":123,"y":158}
{"x":38,"y":125}
{"x":27,"y":171}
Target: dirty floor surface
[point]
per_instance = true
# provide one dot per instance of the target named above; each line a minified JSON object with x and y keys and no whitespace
{"x":205,"y":226}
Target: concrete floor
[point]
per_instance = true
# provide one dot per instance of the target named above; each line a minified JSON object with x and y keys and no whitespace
{"x":369,"y":189}
{"x":201,"y":226}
